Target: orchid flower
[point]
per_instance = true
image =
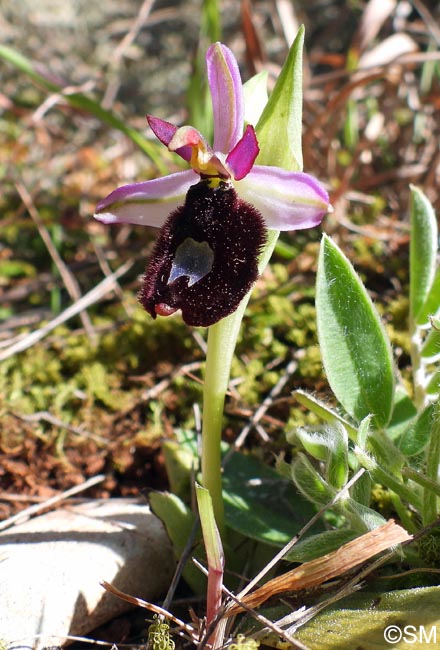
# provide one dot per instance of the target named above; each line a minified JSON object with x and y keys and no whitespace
{"x":213,"y":217}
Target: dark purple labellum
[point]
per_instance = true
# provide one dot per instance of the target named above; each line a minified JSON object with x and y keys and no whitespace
{"x":206,"y":256}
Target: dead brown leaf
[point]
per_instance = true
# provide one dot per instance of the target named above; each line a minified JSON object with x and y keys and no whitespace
{"x":329,"y":566}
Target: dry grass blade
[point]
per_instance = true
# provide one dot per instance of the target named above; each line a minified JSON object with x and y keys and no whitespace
{"x":190,"y":631}
{"x":45,"y":416}
{"x":279,"y":556}
{"x":299,"y":618}
{"x":46,"y":639}
{"x":269,"y":625}
{"x":129,"y":38}
{"x":68,"y":278}
{"x":429,"y":20}
{"x":375,"y":14}
{"x":33,"y":510}
{"x":316,"y":572}
{"x":261,"y":410}
{"x":85,"y":301}
{"x":254,"y":47}
{"x":288,"y":19}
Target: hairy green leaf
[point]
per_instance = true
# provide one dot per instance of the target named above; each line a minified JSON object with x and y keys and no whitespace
{"x":324,"y":412}
{"x":318,"y":545}
{"x":178,"y":520}
{"x":361,"y":621}
{"x":415,"y":438}
{"x":355,"y":349}
{"x":423,"y":252}
{"x":260,"y":504}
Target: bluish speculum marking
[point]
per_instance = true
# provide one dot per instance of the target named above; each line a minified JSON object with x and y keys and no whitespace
{"x":193,"y":259}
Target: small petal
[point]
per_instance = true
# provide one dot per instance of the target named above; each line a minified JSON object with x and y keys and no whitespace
{"x":242,"y":156}
{"x":287,"y":200}
{"x":187,"y":136}
{"x":227,"y":97}
{"x":203,"y":160}
{"x":165,"y":131}
{"x":148,"y":203}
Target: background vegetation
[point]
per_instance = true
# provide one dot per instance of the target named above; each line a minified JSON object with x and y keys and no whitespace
{"x":103,"y":389}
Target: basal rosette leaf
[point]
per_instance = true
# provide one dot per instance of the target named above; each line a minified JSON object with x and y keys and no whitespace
{"x":355,"y":349}
{"x":375,"y":621}
{"x":261,"y":504}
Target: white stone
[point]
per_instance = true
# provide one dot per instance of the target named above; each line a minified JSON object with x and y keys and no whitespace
{"x":51,"y":568}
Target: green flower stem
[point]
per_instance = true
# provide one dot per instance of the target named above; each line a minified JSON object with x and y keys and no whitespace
{"x":279,"y":136}
{"x":403,"y":513}
{"x":418,"y":369}
{"x":421,"y":479}
{"x":382,"y":476}
{"x":222,"y":339}
{"x":430,"y":498}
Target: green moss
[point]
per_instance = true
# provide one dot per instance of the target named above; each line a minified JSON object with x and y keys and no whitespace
{"x":381,"y":501}
{"x":429,"y":548}
{"x":298,"y":417}
{"x":310,"y":363}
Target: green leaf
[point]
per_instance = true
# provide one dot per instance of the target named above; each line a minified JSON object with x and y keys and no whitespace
{"x":361,"y":517}
{"x":382,"y":475}
{"x":431,"y":306}
{"x":260,"y":504}
{"x":430,"y":500}
{"x":255,"y":97}
{"x":180,"y":461}
{"x":198,"y":97}
{"x":337,"y":466}
{"x":323,"y":411}
{"x":360,"y":621}
{"x":355,"y":350}
{"x":309,"y":482}
{"x":433,"y":386}
{"x":364,"y":432}
{"x":178,"y":520}
{"x":318,"y":545}
{"x":316,"y":443}
{"x":385,"y":451}
{"x":211,"y":537}
{"x":404,"y":411}
{"x":211,"y":23}
{"x":361,"y":490}
{"x":415,"y":438}
{"x":423,"y":251}
{"x":280,"y":125}
{"x":431,"y":346}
